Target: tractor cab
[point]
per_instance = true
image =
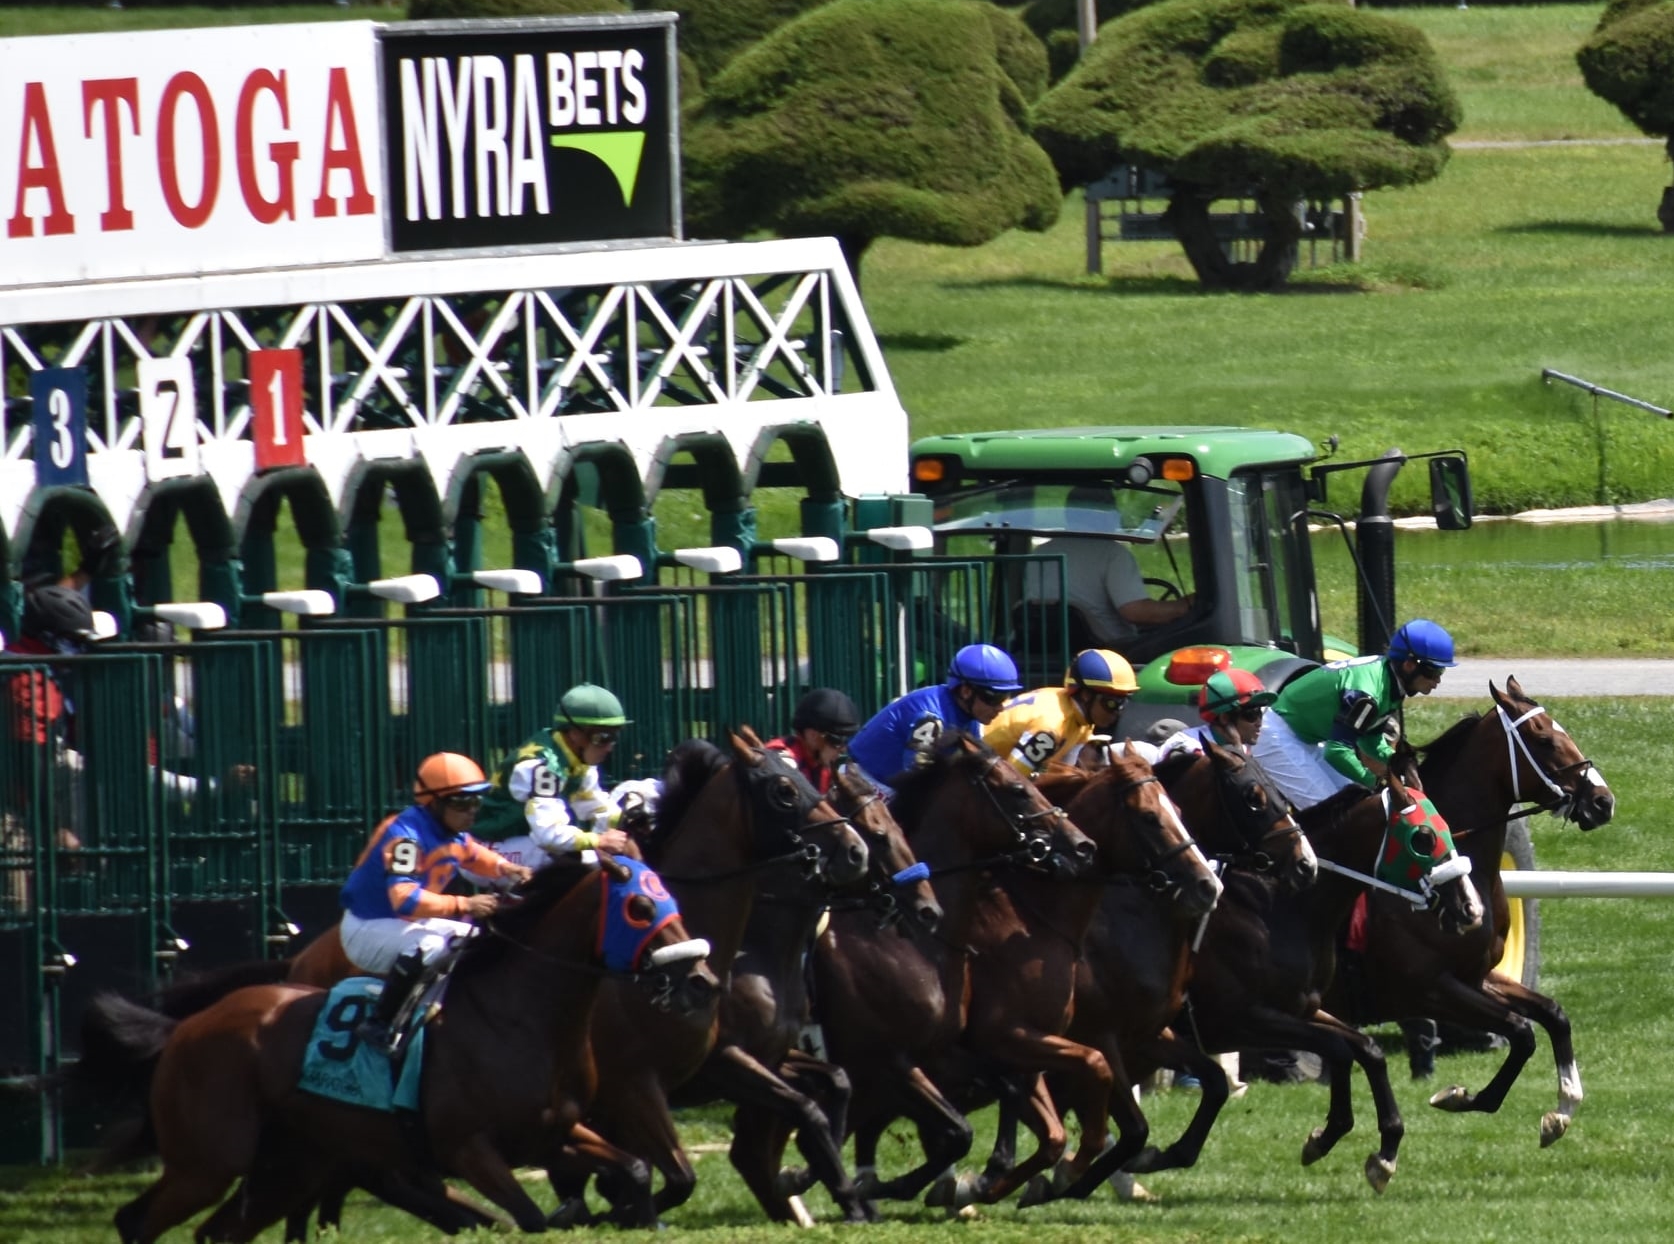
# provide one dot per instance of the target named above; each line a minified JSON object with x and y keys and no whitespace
{"x":1184,"y":549}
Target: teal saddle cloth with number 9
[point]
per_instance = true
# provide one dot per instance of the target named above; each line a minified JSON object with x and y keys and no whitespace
{"x":339,"y":1065}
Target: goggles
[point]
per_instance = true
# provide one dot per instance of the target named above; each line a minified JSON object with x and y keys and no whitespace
{"x":1111,"y":703}
{"x":836,"y":739}
{"x":1427,"y":670}
{"x":990,"y":697}
{"x":602,"y":738}
{"x":462,"y":803}
{"x":1248,"y":712}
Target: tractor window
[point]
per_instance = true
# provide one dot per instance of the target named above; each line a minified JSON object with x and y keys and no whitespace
{"x":1275,"y":597}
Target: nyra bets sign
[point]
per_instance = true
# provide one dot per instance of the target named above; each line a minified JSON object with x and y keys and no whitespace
{"x":538,"y":135}
{"x":188,"y":151}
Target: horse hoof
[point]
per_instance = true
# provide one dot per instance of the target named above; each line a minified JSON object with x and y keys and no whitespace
{"x":1127,"y":1188}
{"x":942,"y":1193}
{"x":866,"y":1186}
{"x":1145,"y":1161}
{"x":1315,"y":1147}
{"x":569,"y":1215}
{"x":793,"y":1181}
{"x":1454,"y":1100}
{"x":1038,"y":1192}
{"x":1553,"y":1125}
{"x":1379,"y":1171}
{"x":965,"y":1213}
{"x":968,"y":1190}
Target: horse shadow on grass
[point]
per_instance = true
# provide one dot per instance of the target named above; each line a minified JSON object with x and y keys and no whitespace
{"x":1155,"y":286}
{"x":1583,"y":229}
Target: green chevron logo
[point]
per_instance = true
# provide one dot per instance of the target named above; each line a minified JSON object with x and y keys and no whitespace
{"x":620,"y":152}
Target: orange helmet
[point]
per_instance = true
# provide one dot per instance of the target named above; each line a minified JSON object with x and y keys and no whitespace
{"x":448,"y":773}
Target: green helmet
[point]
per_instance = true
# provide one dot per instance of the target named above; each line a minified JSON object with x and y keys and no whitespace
{"x":589,"y":705}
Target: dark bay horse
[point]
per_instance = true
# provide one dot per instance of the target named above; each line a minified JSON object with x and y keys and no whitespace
{"x":1477,"y":773}
{"x":726,"y":826}
{"x":1136,"y":958}
{"x":766,"y":1007}
{"x":892,"y":1000}
{"x":1266,"y":961}
{"x":1029,"y":938}
{"x":225,"y":1105}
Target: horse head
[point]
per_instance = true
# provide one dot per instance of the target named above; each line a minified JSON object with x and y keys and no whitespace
{"x":1545,"y":764}
{"x":892,"y":866}
{"x":790,"y":816}
{"x":642,"y":937}
{"x":1418,"y":856}
{"x":1138,"y":832}
{"x":1266,"y":836}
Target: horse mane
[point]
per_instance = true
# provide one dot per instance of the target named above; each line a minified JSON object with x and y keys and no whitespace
{"x":915,"y":788}
{"x":1328,"y":812}
{"x":194,"y":992}
{"x":686,"y":772}
{"x":1172,"y":766}
{"x":1438,"y":756}
{"x":548,"y":887}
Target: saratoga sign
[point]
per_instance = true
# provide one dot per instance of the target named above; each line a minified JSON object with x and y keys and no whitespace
{"x":188,"y":151}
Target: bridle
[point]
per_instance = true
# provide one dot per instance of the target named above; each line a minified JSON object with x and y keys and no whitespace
{"x":1562,"y":801}
{"x":881,"y":884}
{"x":1257,"y":826}
{"x":1152,"y":869}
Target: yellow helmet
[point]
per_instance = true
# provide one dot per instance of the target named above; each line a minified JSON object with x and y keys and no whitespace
{"x":448,"y":773}
{"x":1099,"y":669}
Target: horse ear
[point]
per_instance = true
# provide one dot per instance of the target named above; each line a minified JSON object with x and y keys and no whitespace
{"x":1513,"y":689}
{"x":742,"y":749}
{"x":613,"y":867}
{"x":751,"y":737}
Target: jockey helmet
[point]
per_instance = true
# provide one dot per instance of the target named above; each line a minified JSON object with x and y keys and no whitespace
{"x":1229,"y":690}
{"x":448,"y":773}
{"x":587,"y":704}
{"x":1422,"y":640}
{"x":1099,"y":669}
{"x":828,"y":710}
{"x":54,"y":612}
{"x":984,"y":667}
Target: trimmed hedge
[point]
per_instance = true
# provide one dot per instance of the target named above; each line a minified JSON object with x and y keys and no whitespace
{"x":1301,"y":99}
{"x":874,"y":118}
{"x":712,"y":32}
{"x":1629,"y":61}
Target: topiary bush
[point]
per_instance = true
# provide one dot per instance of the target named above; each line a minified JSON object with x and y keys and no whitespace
{"x":1629,"y":61}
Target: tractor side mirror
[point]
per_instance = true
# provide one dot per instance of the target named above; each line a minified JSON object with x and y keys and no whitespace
{"x":1450,"y":494}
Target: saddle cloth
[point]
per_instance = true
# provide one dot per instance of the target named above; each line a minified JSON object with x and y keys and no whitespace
{"x":338,"y":1064}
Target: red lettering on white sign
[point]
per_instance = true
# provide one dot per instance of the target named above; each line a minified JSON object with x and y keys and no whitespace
{"x":41,"y":175}
{"x":104,"y":95}
{"x":283,"y":155}
{"x":192,"y":215}
{"x":340,"y":118}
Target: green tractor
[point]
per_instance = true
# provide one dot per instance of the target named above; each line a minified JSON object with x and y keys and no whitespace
{"x":1218,"y":522}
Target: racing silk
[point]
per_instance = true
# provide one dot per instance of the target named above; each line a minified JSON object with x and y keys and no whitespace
{"x":40,"y":714}
{"x":545,"y":790}
{"x":409,"y":860}
{"x":818,"y":775}
{"x":1039,"y":727}
{"x":893,"y":740}
{"x":1344,"y":705}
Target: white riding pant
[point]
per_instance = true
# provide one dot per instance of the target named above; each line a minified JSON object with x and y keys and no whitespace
{"x":1297,"y":767}
{"x":373,"y":946}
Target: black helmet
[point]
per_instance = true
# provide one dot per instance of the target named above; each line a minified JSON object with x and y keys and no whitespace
{"x":58,"y":612}
{"x":827,"y":709}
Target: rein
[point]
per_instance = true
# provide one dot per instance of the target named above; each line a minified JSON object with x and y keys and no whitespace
{"x":661,"y":995}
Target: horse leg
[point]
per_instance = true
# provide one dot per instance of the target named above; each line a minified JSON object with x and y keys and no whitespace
{"x":1380,"y":1166}
{"x":641,"y":1125}
{"x":1040,"y":1116}
{"x":1132,"y":1129}
{"x":624,"y":1179}
{"x":168,"y":1202}
{"x":943,"y":1133}
{"x":1549,"y":1015}
{"x":745,"y":1080}
{"x":1169,"y":1051}
{"x":1491,"y":1007}
{"x":828,"y":1085}
{"x":479,"y":1163}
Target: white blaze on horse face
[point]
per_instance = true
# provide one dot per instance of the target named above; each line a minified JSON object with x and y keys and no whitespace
{"x":1173,"y":819}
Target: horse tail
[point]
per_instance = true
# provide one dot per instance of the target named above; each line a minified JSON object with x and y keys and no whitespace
{"x":121,"y":1042}
{"x":191,"y":994}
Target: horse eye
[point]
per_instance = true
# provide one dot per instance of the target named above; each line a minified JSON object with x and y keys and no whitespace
{"x":642,"y":908}
{"x":783,"y":793}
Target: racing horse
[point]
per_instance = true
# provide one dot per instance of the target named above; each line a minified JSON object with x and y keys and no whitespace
{"x":766,"y":1007}
{"x":225,"y":1101}
{"x":893,"y":1000}
{"x":1478,"y":773}
{"x":1028,"y":940}
{"x":1267,"y":960}
{"x":1136,"y":959}
{"x":725,"y":827}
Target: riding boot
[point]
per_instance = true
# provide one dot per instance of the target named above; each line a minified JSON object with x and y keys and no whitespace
{"x":378,"y":1030}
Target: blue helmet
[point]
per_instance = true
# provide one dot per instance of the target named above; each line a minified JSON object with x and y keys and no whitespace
{"x":1422,"y":640}
{"x":984,"y":666}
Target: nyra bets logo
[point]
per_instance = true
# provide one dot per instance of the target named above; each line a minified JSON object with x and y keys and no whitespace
{"x":543,"y":136}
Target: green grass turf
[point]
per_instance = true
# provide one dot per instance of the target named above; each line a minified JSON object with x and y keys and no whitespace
{"x":1471,"y":1177}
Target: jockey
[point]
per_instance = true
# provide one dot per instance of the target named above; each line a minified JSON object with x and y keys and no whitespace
{"x":1230,"y":704}
{"x":821,"y":726}
{"x":979,"y":679}
{"x":1327,"y":728}
{"x":396,"y":918}
{"x":1053,"y":722}
{"x":546,"y":799}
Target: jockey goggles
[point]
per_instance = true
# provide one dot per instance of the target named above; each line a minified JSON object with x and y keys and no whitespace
{"x":989,"y":696}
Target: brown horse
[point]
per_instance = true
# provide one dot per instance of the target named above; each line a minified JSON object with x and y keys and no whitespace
{"x":1029,"y":937}
{"x":766,"y":1007}
{"x":891,"y":1001}
{"x":725,"y":827}
{"x":1266,"y":962}
{"x":225,"y":1102}
{"x":1477,"y":773}
{"x":1137,"y":955}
